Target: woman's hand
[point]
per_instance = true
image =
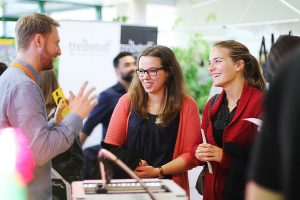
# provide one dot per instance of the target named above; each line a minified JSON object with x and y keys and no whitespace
{"x":142,"y":163}
{"x":58,"y":113}
{"x":147,"y":172}
{"x":208,"y":152}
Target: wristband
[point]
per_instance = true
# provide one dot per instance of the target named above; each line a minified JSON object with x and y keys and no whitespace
{"x":161,"y":173}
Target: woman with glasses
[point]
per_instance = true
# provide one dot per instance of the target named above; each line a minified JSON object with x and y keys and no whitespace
{"x":156,"y":120}
{"x":229,"y":136}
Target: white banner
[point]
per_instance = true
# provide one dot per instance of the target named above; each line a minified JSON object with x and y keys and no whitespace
{"x":88,"y":49}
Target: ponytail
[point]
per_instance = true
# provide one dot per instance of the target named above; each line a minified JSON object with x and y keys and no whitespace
{"x":253,"y":73}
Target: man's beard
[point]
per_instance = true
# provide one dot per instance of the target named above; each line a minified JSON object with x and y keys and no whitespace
{"x":127,"y":77}
{"x":46,"y":59}
{"x":49,"y":66}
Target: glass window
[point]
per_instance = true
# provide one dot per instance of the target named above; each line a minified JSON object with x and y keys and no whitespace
{"x":19,"y":9}
{"x":109,"y":13}
{"x":87,"y":14}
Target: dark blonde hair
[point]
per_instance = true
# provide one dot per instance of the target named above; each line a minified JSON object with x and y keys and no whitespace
{"x":29,"y":25}
{"x":252,"y":69}
{"x":48,"y":83}
{"x":174,"y":86}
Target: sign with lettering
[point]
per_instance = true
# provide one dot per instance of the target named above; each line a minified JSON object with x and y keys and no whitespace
{"x":88,"y":49}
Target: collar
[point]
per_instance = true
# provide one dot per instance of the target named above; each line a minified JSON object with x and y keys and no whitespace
{"x":242,"y":102}
{"x":119,"y":87}
{"x":28,"y":69}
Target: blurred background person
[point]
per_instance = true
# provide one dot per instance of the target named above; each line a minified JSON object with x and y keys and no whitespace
{"x":228,"y":135}
{"x":125,"y":66}
{"x":70,"y":163}
{"x":283,"y":46}
{"x":274,"y":166}
{"x":3,"y":67}
{"x":156,"y":121}
{"x":48,"y":83}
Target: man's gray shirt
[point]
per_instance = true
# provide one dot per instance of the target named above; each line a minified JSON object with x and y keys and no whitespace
{"x":22,"y":105}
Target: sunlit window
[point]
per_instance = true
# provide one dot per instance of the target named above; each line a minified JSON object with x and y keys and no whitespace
{"x":109,"y":13}
{"x":80,"y":14}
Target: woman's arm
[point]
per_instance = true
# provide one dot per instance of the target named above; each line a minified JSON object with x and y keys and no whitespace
{"x":173,"y":167}
{"x":190,"y":136}
{"x":116,"y":132}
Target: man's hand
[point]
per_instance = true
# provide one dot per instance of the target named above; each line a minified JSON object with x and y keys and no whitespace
{"x":83,"y":102}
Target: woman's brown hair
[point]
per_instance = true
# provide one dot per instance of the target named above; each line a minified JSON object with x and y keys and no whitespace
{"x":252,"y":69}
{"x":48,"y":83}
{"x":174,"y":86}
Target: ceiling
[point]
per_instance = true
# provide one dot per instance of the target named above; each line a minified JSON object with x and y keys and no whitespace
{"x":192,"y":14}
{"x":210,"y":13}
{"x":20,"y":7}
{"x":213,"y":18}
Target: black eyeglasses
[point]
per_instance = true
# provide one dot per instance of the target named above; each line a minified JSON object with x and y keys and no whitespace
{"x":150,"y":72}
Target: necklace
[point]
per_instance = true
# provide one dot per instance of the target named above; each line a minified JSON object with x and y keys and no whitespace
{"x":158,"y":120}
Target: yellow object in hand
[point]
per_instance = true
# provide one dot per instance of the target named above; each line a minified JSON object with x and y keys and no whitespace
{"x":59,"y":98}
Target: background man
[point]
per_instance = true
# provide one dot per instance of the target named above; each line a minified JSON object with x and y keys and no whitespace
{"x":125,"y":65}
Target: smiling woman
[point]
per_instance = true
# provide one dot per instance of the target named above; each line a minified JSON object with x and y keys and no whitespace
{"x":229,"y":137}
{"x":156,"y":120}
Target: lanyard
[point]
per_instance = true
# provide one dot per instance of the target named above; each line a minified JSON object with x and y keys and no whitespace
{"x":25,"y":69}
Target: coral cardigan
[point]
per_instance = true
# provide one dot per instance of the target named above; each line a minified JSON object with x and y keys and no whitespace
{"x":239,"y":131}
{"x":188,"y":134}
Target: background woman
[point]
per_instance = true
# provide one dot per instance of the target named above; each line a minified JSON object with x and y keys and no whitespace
{"x":228,"y":135}
{"x":70,"y":163}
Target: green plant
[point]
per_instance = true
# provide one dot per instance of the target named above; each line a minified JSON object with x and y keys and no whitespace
{"x":193,"y":60}
{"x":122,"y":19}
{"x":56,"y":64}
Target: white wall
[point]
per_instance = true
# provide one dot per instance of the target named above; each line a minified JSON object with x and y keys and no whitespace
{"x":88,"y":49}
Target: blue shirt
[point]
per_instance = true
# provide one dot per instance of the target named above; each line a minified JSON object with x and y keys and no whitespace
{"x":22,"y":105}
{"x":101,"y":113}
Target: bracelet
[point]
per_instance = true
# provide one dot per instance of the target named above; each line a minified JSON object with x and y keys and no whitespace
{"x":161,"y":173}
